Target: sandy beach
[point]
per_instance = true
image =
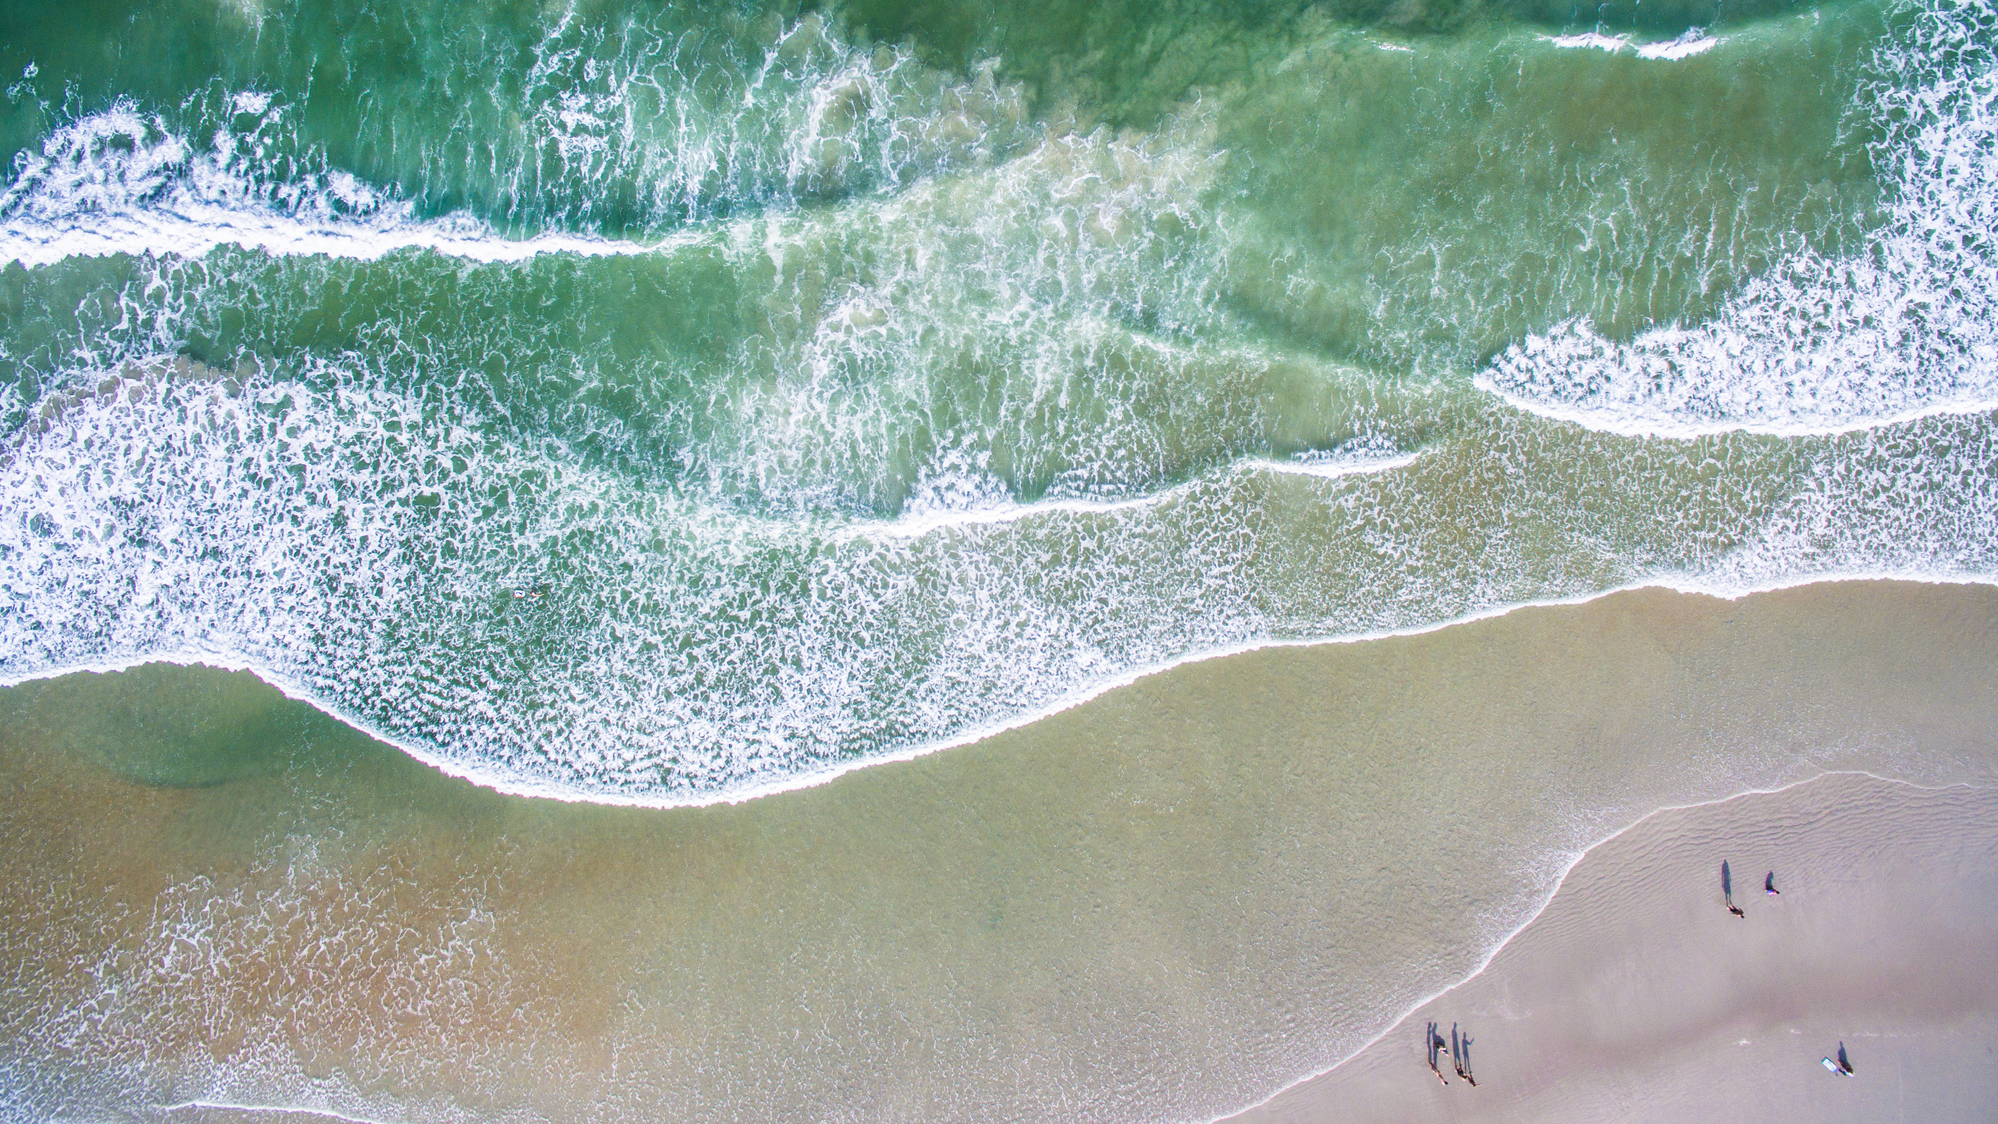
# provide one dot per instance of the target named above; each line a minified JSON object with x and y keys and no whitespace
{"x":1636,"y":996}
{"x":1166,"y":904}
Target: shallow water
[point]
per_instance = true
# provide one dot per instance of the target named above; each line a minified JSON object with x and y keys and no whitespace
{"x":1163,"y":905}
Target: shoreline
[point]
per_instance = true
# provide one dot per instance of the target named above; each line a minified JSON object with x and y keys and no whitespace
{"x":1250,"y":1112}
{"x":1209,"y":884}
{"x":1383,"y":1080}
{"x":505,"y":786}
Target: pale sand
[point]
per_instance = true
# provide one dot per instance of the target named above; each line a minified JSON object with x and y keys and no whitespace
{"x":1162,"y":905}
{"x":1636,"y":997}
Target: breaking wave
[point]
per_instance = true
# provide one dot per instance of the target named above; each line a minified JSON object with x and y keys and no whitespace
{"x":1907,"y":326}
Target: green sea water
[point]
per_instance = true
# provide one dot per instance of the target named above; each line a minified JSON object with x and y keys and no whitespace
{"x":658,"y":403}
{"x":664,"y":404}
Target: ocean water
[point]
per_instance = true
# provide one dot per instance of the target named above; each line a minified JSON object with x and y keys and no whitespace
{"x":661,"y":405}
{"x":665,"y":404}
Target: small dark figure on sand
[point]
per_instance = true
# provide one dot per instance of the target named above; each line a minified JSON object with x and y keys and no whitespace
{"x":1434,"y":1043}
{"x":1460,"y":1055}
{"x":1844,"y":1063}
{"x":1769,"y":884}
{"x":1727,"y":891}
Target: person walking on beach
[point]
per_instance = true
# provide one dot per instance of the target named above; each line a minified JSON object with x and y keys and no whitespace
{"x":1433,"y":1042}
{"x":1727,"y":891}
{"x":1769,"y":884}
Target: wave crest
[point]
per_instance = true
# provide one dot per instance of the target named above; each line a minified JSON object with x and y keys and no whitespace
{"x":1819,"y":343}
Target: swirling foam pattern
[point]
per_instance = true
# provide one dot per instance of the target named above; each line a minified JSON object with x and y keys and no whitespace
{"x":663,"y":409}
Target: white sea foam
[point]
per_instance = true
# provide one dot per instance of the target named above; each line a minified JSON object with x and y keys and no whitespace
{"x":360,"y":549}
{"x":820,"y":116}
{"x":121,"y":182}
{"x":1356,"y":458}
{"x":1907,"y":326}
{"x":1588,"y":39}
{"x":975,"y":499}
{"x":985,"y":504}
{"x":264,"y":1109}
{"x":1692,"y":42}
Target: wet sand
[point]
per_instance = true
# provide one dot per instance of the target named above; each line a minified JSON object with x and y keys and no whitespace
{"x":1636,"y":996}
{"x":1164,"y":904}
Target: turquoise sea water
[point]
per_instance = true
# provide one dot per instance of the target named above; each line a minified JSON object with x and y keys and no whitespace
{"x":663,"y":403}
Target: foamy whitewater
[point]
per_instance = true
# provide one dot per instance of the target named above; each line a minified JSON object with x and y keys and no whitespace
{"x":662,"y":409}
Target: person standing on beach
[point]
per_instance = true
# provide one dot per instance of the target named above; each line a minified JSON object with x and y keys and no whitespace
{"x":1727,"y":891}
{"x":1769,"y":884}
{"x":1433,"y":1042}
